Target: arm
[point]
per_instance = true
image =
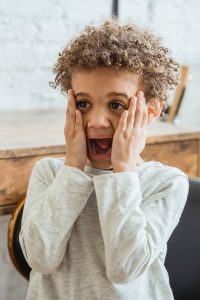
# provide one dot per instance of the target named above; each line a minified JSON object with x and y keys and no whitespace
{"x":53,"y":203}
{"x":134,"y":233}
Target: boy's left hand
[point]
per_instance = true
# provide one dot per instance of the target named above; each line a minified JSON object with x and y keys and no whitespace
{"x":130,"y":136}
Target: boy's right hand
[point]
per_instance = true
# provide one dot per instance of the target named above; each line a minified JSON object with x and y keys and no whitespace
{"x":76,"y":147}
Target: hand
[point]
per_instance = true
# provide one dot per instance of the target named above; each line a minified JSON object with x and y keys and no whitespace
{"x":76,"y":147}
{"x":130,"y":135}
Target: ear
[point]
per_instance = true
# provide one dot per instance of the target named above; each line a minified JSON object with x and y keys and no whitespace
{"x":154,"y":108}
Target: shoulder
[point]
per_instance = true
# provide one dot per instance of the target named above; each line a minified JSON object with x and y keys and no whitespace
{"x":155,"y":170}
{"x":156,"y":177}
{"x":48,"y":166}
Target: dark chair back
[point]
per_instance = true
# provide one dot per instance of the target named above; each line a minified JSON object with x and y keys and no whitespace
{"x":183,"y":255}
{"x":14,"y":247}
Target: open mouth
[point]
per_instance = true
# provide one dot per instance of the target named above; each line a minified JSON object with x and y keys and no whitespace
{"x":99,"y":146}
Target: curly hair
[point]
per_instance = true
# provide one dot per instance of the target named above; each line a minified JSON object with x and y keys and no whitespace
{"x":123,"y":47}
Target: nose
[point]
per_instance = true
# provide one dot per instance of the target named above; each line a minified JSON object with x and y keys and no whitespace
{"x":98,"y":120}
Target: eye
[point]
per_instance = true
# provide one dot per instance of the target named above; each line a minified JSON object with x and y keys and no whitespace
{"x":117,"y":105}
{"x":82,"y":104}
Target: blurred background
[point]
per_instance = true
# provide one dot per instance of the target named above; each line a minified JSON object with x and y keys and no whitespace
{"x":33,"y":32}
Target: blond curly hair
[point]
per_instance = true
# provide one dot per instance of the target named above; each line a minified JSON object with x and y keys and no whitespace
{"x":123,"y":47}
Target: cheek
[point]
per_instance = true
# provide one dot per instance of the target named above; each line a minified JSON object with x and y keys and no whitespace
{"x":84,"y":120}
{"x":115,"y":122}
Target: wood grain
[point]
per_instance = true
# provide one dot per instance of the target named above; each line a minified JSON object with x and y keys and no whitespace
{"x":14,"y":177}
{"x":183,"y":155}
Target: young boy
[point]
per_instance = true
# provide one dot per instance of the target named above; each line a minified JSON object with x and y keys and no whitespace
{"x":96,"y":222}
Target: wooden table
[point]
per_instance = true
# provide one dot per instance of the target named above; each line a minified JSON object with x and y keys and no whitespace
{"x":27,"y":136}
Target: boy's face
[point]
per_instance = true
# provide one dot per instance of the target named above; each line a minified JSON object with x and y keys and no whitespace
{"x":102,"y":95}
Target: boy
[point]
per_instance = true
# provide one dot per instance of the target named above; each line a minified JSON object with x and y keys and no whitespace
{"x":96,"y":222}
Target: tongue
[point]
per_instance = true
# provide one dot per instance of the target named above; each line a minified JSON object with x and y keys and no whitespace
{"x":103,"y":143}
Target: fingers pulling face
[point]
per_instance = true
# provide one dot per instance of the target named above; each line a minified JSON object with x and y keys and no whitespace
{"x":135,"y":117}
{"x":71,"y":109}
{"x":137,"y":112}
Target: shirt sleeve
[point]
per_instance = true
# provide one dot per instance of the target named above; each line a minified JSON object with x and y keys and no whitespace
{"x":134,"y":232}
{"x":53,"y":203}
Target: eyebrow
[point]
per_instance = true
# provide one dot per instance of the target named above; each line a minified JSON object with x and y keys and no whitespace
{"x":109,"y":94}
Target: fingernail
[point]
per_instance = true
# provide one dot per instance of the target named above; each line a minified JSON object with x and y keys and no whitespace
{"x":70,"y":92}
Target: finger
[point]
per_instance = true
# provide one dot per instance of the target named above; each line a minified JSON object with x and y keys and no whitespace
{"x":79,"y":120}
{"x":145,"y":115}
{"x":67,"y":109}
{"x":131,"y":115}
{"x":139,"y":110}
{"x":68,"y":106}
{"x":123,"y":121}
{"x":67,"y":116}
{"x":71,"y":113}
{"x":72,"y":100}
{"x":67,"y":123}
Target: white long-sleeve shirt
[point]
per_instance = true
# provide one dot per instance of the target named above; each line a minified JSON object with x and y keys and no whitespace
{"x":98,"y":234}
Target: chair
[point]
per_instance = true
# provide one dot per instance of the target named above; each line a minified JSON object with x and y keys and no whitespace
{"x":172,"y":111}
{"x":183,"y":255}
{"x":14,"y":247}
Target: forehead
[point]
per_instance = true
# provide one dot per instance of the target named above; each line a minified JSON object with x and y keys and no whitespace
{"x":105,"y":79}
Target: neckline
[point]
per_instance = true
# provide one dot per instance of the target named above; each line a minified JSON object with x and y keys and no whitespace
{"x":94,"y":171}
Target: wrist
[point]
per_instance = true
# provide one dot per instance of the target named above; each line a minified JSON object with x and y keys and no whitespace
{"x":73,"y":164}
{"x":123,"y":168}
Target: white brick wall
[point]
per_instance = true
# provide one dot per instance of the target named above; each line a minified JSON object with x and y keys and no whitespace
{"x":33,"y":32}
{"x":178,"y":22}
